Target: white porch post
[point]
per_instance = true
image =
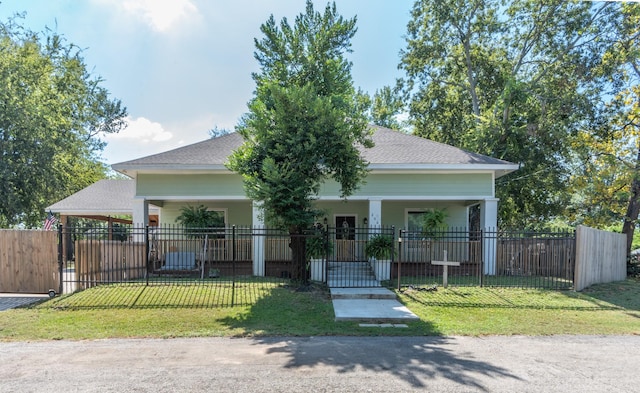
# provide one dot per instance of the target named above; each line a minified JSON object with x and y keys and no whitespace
{"x":140,"y":218}
{"x":375,"y":213}
{"x":258,"y":241}
{"x":489,"y":223}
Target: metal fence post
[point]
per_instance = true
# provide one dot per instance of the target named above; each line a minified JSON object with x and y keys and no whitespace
{"x":146,"y":249}
{"x":401,"y":234}
{"x":325,"y":273}
{"x":233,"y":265}
{"x":60,"y":260}
{"x":482,"y":234}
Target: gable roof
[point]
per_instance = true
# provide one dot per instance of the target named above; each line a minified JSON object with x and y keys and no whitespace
{"x":393,"y":150}
{"x":106,"y":197}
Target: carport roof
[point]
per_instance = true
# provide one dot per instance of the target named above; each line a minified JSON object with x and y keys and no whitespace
{"x":106,"y":197}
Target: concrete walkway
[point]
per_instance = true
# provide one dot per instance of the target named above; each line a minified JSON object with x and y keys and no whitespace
{"x":358,"y":296}
{"x":369,"y":305}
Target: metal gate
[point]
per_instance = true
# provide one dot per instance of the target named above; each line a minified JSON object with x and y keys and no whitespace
{"x":350,"y":262}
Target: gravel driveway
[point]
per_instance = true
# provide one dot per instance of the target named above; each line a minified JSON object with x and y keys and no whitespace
{"x":325,"y":364}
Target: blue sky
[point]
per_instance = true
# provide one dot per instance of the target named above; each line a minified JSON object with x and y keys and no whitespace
{"x":182,"y":67}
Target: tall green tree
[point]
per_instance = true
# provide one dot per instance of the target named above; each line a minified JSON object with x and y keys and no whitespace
{"x":511,"y":80}
{"x":52,"y":113}
{"x":606,"y":182}
{"x":304,"y":121}
{"x":386,"y":106}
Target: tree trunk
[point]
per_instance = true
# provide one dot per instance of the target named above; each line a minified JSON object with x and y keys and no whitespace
{"x":298,"y":255}
{"x":633,"y":209}
{"x":473,"y":82}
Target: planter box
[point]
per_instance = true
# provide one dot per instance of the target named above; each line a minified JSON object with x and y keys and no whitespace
{"x":317,"y":267}
{"x":381,"y":268}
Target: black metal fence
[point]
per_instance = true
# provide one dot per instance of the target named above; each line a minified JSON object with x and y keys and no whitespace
{"x":220,"y":260}
{"x":261,"y":258}
{"x":486,"y":258}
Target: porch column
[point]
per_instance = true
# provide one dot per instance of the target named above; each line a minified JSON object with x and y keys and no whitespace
{"x":258,"y":240}
{"x":489,"y":224}
{"x":375,"y":212}
{"x":140,"y":218}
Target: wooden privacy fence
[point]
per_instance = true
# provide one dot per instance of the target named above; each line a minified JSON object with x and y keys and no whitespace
{"x":106,"y":261}
{"x":600,"y":257}
{"x":29,"y":261}
{"x":543,"y":256}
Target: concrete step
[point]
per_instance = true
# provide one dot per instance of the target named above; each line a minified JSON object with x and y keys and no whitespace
{"x":351,"y":274}
{"x":350,"y":283}
{"x":362,"y":293}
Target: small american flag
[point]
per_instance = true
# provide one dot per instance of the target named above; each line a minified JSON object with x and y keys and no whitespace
{"x":50,"y":222}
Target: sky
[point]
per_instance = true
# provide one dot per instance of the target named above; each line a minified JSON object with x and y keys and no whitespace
{"x":183,"y":67}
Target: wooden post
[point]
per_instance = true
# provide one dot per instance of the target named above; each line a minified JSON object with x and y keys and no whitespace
{"x":445,"y":268}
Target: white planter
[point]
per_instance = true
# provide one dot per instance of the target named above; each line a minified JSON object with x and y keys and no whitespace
{"x":317,"y":267}
{"x":381,"y":268}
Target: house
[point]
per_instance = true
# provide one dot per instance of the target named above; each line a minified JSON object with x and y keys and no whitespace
{"x":408,"y":175}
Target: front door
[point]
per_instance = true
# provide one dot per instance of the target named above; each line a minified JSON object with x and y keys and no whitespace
{"x":345,"y":237}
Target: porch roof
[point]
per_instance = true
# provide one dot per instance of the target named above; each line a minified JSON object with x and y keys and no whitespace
{"x":393,"y":151}
{"x":107,"y":197}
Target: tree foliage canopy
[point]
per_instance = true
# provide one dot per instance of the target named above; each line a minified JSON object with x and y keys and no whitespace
{"x":606,"y":180}
{"x":52,"y":112}
{"x":517,"y":81}
{"x":305,"y":120}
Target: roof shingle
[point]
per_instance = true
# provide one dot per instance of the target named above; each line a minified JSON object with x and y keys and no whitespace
{"x":107,"y":196}
{"x":391,"y":147}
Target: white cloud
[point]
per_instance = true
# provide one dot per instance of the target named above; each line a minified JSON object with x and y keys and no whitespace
{"x":141,"y":130}
{"x":159,"y":15}
{"x":144,"y":137}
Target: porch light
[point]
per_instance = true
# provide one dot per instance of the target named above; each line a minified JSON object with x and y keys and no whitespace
{"x":326,"y":221}
{"x":365,"y":221}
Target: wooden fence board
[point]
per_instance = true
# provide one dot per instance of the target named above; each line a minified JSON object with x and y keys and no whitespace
{"x":28,"y":261}
{"x":600,"y":257}
{"x":100,"y":261}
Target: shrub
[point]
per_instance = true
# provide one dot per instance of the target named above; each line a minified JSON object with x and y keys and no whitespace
{"x":380,"y":247}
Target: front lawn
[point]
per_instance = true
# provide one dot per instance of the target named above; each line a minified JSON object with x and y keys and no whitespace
{"x":278,"y":310}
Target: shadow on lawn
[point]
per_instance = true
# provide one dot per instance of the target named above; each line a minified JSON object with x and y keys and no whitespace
{"x":290,"y":311}
{"x":195,"y":295}
{"x":624,"y":294}
{"x":507,"y":298}
{"x":308,"y":316}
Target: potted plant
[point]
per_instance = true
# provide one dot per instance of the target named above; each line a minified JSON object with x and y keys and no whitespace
{"x":317,"y":247}
{"x":380,"y":250}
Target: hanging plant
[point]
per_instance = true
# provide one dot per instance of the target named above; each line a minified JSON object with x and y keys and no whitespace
{"x":434,"y":223}
{"x":199,"y":221}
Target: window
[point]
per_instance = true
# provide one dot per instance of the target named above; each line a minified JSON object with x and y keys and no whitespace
{"x":415,"y":220}
{"x":218,"y":218}
{"x":426,"y":223}
{"x":415,"y":223}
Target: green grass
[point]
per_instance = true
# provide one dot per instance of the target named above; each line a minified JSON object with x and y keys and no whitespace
{"x":496,"y":281}
{"x":273,"y":309}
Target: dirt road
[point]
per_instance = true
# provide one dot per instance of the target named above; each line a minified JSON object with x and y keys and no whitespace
{"x":324,"y":364}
